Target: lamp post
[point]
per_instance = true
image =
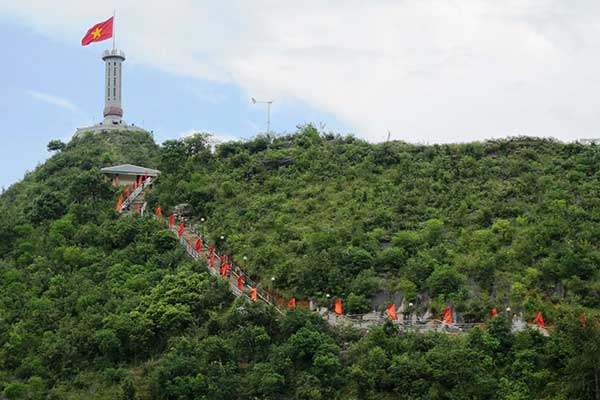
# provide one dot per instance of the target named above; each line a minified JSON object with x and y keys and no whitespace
{"x":202,"y":226}
{"x":268,"y":103}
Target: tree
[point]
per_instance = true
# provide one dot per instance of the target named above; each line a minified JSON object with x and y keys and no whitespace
{"x":56,"y":145}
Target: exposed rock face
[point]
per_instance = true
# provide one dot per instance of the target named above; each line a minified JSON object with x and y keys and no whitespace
{"x":183,"y":210}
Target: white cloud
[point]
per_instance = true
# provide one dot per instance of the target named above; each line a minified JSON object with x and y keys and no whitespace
{"x":54,"y":100}
{"x":427,"y":70}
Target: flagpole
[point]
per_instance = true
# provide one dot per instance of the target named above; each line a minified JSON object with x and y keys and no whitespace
{"x":114,"y":28}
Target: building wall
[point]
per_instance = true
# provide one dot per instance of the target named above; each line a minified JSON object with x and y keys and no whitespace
{"x":124,"y":180}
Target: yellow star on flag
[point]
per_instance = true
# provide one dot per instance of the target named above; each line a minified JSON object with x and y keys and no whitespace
{"x":96,"y":34}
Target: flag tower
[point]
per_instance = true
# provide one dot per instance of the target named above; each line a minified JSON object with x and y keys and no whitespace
{"x":113,"y":112}
{"x":113,"y":72}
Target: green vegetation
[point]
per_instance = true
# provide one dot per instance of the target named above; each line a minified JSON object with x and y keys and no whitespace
{"x":93,"y":306}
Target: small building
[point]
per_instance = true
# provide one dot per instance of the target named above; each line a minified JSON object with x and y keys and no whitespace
{"x":126,"y":174}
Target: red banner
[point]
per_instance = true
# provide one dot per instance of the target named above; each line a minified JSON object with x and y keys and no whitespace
{"x":392,"y":312}
{"x":119,"y":203}
{"x":338,"y":306}
{"x":448,"y":315}
{"x":292,"y":303}
{"x":540,"y":320}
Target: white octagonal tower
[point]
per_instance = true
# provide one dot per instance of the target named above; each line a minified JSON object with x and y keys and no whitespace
{"x":113,"y":112}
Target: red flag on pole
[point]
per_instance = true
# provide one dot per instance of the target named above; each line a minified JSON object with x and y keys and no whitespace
{"x":171,"y":220}
{"x":338,"y":306}
{"x":448,"y":315}
{"x":224,"y":269}
{"x":240,"y":283}
{"x":119,"y":203}
{"x":140,"y":180}
{"x":253,"y":294}
{"x":180,"y":230}
{"x":126,"y":192}
{"x":99,"y":32}
{"x":540,"y":320}
{"x":212,"y":260}
{"x":198,"y":246}
{"x":292,"y":303}
{"x":133,"y":186}
{"x":158,"y":212}
{"x":392,"y":312}
{"x":494,"y":312}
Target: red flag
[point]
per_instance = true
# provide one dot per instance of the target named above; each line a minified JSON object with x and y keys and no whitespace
{"x":119,"y":203}
{"x":448,"y":315}
{"x":494,"y":312}
{"x":224,"y":268}
{"x":240,"y":283}
{"x":171,"y":220}
{"x":392,"y":312}
{"x":99,"y":32}
{"x":180,"y":230}
{"x":127,"y":192}
{"x":198,"y":246}
{"x":292,"y":303}
{"x":158,"y":212}
{"x":583,"y":320}
{"x":133,"y":186}
{"x":212,"y":260}
{"x":253,"y":294}
{"x":223,"y":259}
{"x":338,"y":306}
{"x":140,"y":180}
{"x":540,"y":320}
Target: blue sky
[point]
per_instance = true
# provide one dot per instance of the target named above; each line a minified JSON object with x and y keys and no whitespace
{"x":51,"y":88}
{"x":426,"y":71}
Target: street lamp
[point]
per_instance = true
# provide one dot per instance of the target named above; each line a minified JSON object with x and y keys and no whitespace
{"x":268,"y":103}
{"x":202,"y":225}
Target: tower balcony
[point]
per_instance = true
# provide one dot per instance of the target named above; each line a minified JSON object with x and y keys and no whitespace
{"x":114,"y":53}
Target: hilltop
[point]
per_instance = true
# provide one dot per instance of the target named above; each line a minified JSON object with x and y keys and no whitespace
{"x":95,"y":305}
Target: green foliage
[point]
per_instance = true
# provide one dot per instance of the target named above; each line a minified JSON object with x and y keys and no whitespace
{"x":56,"y":145}
{"x":95,"y":306}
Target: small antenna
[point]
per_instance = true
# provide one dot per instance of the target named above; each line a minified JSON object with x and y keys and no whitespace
{"x":388,"y":136}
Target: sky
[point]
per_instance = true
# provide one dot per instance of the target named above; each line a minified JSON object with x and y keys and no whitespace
{"x":424,"y":71}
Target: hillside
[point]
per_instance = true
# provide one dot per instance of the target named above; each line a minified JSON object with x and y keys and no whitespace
{"x":511,"y":222}
{"x":97,"y":306}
